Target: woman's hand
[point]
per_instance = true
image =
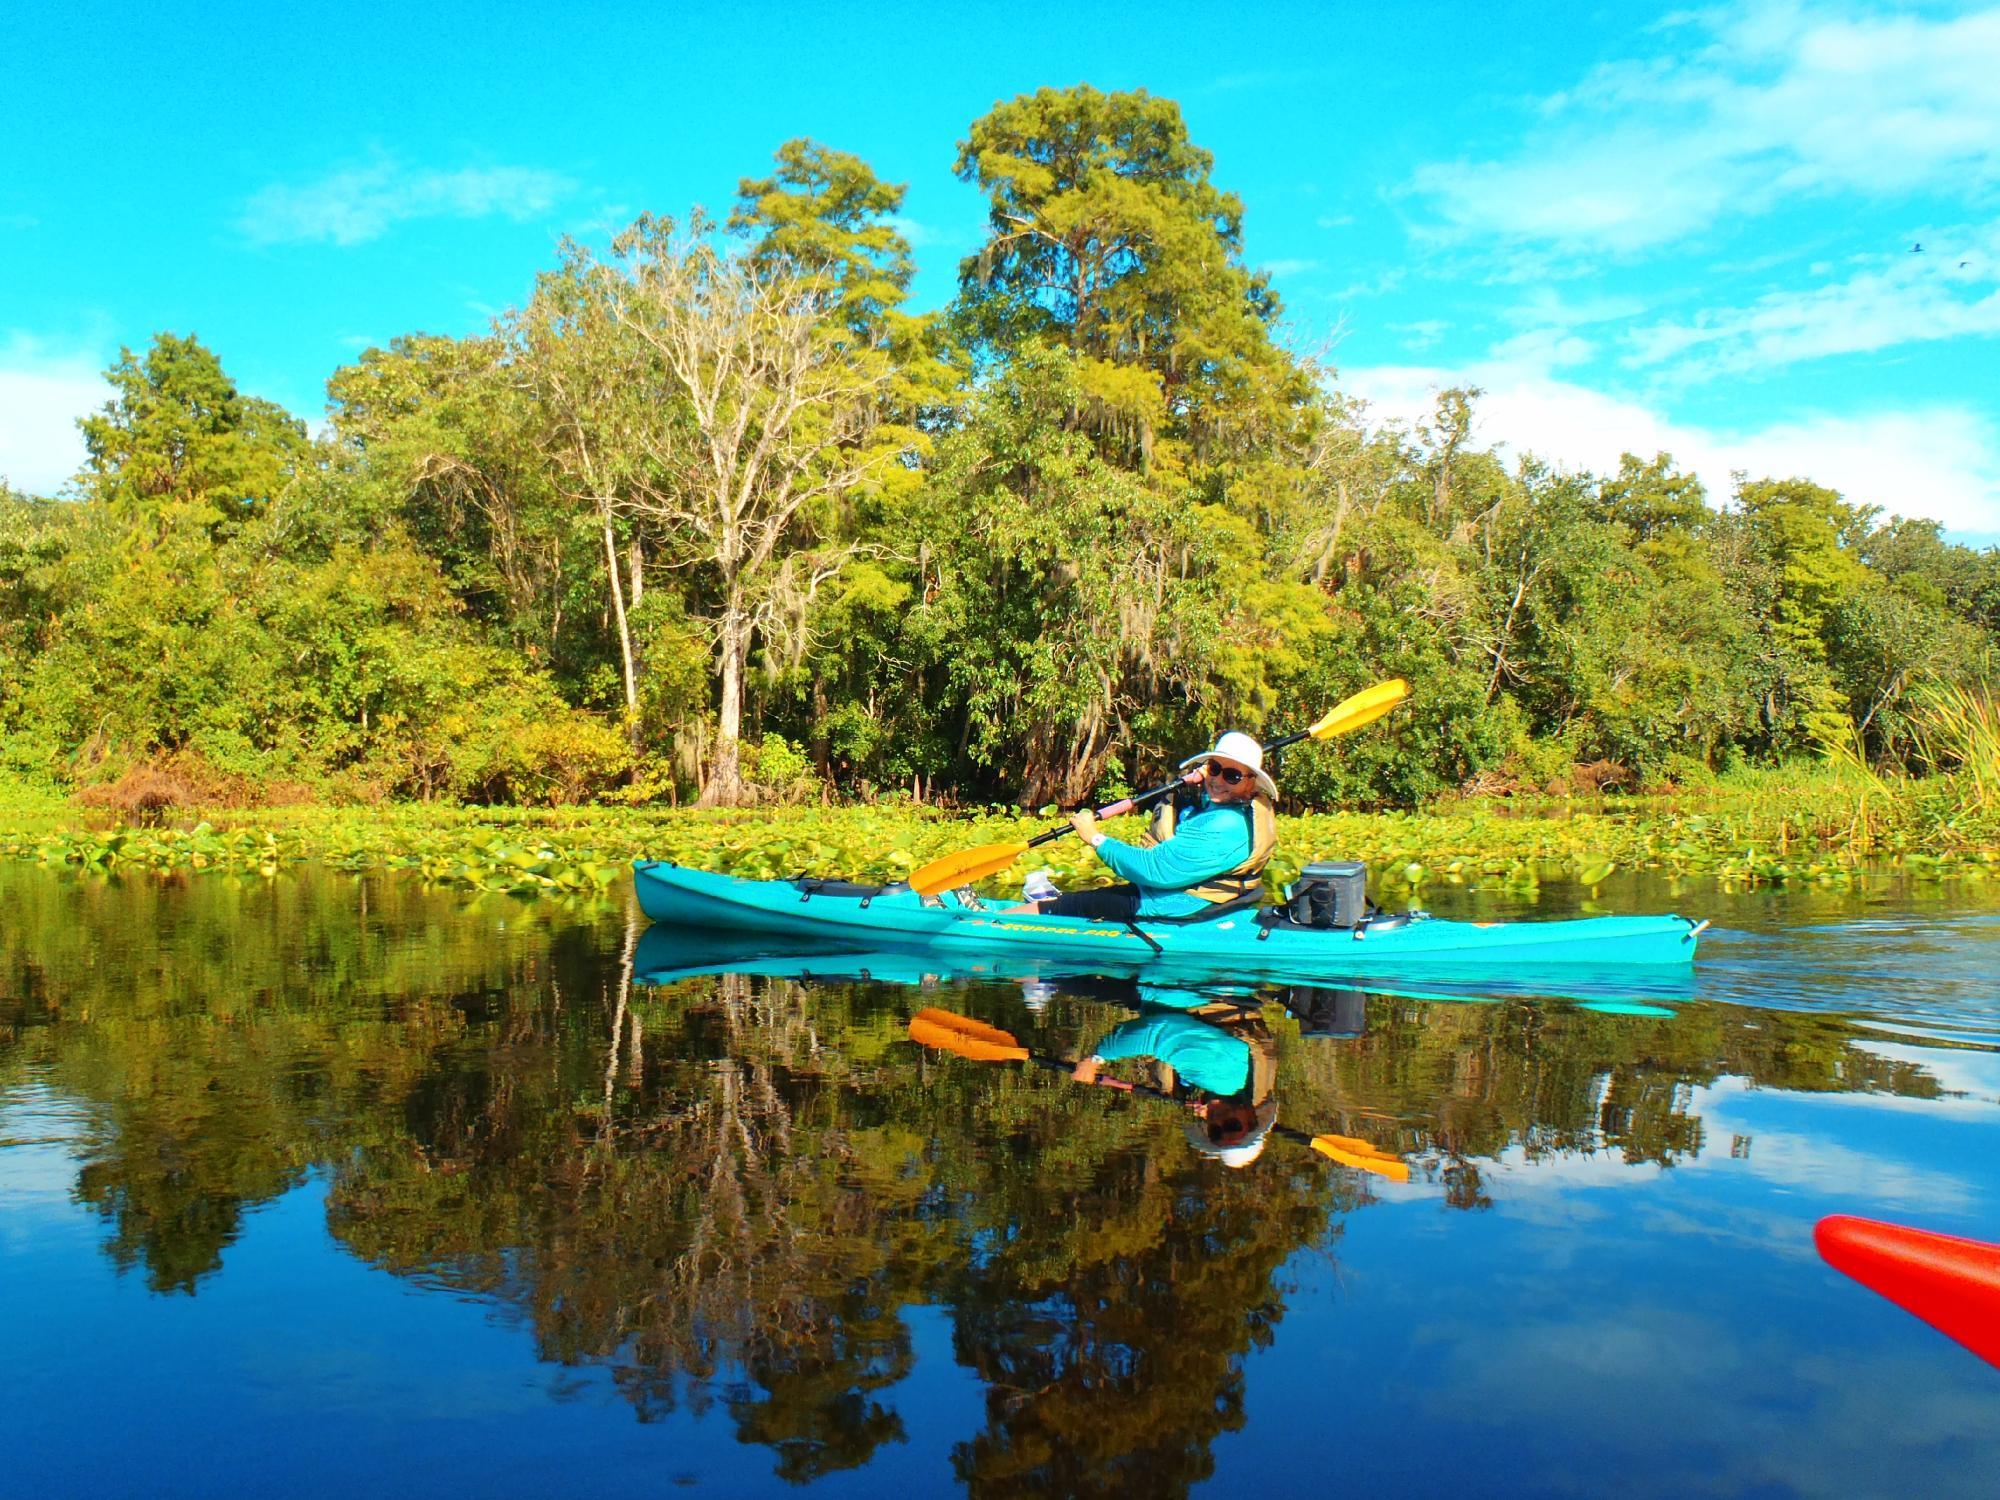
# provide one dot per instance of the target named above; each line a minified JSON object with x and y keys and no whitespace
{"x":1084,"y":821}
{"x":1086,"y":1071}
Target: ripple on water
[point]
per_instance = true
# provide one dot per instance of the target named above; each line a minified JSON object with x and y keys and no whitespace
{"x":1929,"y":975}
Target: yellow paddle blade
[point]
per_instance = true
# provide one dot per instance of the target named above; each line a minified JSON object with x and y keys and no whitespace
{"x":964,"y":867}
{"x":984,"y":1031}
{"x":1365,"y":707}
{"x":965,"y":1036}
{"x":1362,"y":1156}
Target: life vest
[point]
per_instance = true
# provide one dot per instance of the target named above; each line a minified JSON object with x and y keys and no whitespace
{"x":1247,"y":877}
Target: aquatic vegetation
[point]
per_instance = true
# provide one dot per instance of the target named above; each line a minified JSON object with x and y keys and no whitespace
{"x":1824,"y":825}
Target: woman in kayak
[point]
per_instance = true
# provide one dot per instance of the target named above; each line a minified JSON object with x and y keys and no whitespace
{"x":1216,"y":853}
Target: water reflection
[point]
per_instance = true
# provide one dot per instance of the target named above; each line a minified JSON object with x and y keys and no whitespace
{"x":725,"y":1182}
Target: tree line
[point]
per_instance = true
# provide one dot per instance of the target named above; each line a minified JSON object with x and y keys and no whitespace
{"x":714,"y":515}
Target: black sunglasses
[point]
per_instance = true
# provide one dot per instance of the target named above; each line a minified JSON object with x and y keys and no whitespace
{"x":1230,"y":775}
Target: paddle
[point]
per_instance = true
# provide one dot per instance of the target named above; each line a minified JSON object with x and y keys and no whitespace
{"x":968,"y":865}
{"x":981,"y":1042}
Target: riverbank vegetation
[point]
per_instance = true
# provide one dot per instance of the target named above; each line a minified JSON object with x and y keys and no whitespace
{"x":1818,"y":824}
{"x":713,"y":517}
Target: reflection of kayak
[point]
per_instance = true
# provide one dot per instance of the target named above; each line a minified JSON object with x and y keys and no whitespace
{"x":1952,"y":1284}
{"x":667,"y":953}
{"x":1254,"y":942}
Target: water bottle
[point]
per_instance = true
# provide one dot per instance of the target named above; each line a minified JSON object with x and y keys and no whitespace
{"x":1040,"y":886}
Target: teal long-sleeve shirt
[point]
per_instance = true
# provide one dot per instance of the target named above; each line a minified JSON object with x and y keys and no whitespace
{"x":1206,"y":1056}
{"x":1207,"y":844}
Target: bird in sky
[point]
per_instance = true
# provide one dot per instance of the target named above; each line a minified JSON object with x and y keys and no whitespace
{"x":1918,"y":248}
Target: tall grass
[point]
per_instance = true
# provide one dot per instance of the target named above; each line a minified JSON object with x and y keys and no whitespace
{"x":1958,"y":735}
{"x":1872,"y":801}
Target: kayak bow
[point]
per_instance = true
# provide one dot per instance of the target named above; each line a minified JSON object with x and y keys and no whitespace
{"x":1952,"y":1284}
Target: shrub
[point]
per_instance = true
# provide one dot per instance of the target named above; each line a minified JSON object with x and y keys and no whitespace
{"x":567,"y":759}
{"x":144,"y":793}
{"x":780,"y":771}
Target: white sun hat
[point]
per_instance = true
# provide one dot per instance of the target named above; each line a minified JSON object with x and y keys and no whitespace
{"x":1242,"y":1152}
{"x":1246,"y":752}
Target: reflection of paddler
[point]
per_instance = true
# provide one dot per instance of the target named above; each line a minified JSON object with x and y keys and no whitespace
{"x":1223,"y":1052}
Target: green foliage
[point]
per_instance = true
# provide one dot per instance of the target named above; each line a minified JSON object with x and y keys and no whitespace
{"x":1653,"y":500}
{"x":442,"y":438}
{"x":1797,"y":825}
{"x":827,"y":211}
{"x":1107,"y":236}
{"x":781,"y":769}
{"x":1070,"y":593}
{"x":178,"y":443}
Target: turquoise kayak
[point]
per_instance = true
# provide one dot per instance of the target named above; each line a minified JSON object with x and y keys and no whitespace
{"x":1256,"y":941}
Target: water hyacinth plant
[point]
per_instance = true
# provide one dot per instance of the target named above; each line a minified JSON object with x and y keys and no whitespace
{"x":1813,"y":826}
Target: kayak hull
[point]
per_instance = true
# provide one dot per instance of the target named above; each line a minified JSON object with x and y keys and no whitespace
{"x":1236,"y":943}
{"x":667,"y":953}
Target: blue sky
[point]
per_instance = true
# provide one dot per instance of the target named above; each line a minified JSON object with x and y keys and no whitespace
{"x":1635,"y":227}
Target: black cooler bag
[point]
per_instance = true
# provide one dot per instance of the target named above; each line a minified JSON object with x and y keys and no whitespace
{"x":1332,"y":893}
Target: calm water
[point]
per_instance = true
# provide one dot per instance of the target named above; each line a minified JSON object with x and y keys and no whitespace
{"x":338,"y":1186}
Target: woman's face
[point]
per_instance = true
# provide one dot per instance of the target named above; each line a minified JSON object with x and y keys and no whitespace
{"x":1217,"y":780}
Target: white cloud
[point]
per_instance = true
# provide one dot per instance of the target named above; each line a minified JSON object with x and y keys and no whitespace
{"x":1547,"y":307}
{"x":1791,"y":1159}
{"x":1421,"y":334}
{"x":1374,"y":286}
{"x":42,"y":1134}
{"x":362,"y":203}
{"x":1973,"y":1075}
{"x":1543,"y":349}
{"x":1781,"y":101}
{"x":914,"y":231}
{"x":1622,"y":191}
{"x":1701,"y":1392}
{"x":1940,"y":462}
{"x":42,"y":393}
{"x":1947,"y":291}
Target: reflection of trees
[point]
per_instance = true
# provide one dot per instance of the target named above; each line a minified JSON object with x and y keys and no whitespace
{"x":726,"y":1192}
{"x":784,"y":1174}
{"x":1111,"y":1337}
{"x":1462,"y":1082}
{"x":737,"y":1222}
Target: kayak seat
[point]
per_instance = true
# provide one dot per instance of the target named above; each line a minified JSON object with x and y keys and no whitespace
{"x":1249,"y":901}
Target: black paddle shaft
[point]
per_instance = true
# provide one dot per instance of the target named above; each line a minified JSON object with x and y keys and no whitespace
{"x":1147,"y":799}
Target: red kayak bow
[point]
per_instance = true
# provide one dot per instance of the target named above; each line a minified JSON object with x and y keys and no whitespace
{"x":1952,"y":1284}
